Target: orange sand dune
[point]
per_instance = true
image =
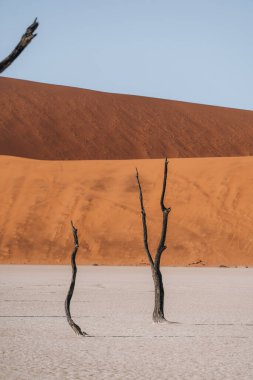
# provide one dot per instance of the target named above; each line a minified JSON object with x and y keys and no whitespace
{"x":55,"y":122}
{"x":211,"y":218}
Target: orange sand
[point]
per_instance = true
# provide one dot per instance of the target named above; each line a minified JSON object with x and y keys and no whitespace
{"x":62,"y":123}
{"x":211,"y":218}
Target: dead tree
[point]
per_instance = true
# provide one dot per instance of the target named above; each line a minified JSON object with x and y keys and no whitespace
{"x":72,"y":324}
{"x":23,"y":43}
{"x":158,"y":314}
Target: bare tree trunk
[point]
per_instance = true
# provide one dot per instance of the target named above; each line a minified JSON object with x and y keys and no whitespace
{"x":72,"y":324}
{"x":23,"y":43}
{"x":158,"y":314}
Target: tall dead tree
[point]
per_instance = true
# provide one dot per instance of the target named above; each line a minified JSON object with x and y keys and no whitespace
{"x":72,"y":324}
{"x":158,"y":314}
{"x":23,"y":43}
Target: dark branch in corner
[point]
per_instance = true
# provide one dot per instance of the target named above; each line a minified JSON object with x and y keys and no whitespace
{"x":72,"y":324}
{"x":23,"y":43}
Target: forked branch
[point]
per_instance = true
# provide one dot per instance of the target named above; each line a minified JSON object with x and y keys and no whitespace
{"x":165,"y":211}
{"x":72,"y":324}
{"x":158,"y":314}
{"x":144,"y":222}
{"x":161,"y":247}
{"x":27,"y":37}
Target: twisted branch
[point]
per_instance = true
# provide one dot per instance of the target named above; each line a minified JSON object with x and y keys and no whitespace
{"x":27,"y":37}
{"x":72,"y":324}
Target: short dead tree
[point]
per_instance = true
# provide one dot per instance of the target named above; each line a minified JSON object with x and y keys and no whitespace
{"x":158,"y":314}
{"x":72,"y":324}
{"x":23,"y":43}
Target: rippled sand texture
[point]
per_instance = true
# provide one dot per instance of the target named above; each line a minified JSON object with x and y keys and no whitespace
{"x":212,"y":340}
{"x":210,"y":223}
{"x":39,"y":120}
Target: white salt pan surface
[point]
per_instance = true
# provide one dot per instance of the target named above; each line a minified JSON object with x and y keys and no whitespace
{"x":213,"y":339}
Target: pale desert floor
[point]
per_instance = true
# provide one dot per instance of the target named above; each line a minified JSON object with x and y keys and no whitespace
{"x":212,"y":340}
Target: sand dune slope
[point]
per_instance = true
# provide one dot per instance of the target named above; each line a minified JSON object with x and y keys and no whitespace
{"x":62,"y":123}
{"x":211,"y":219}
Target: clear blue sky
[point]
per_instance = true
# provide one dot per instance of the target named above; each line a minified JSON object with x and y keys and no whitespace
{"x":193,"y":50}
